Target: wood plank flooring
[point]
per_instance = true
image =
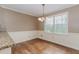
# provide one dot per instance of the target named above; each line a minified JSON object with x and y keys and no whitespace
{"x":39,"y":46}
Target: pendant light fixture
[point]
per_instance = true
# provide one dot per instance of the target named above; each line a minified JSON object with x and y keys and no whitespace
{"x":43,"y":16}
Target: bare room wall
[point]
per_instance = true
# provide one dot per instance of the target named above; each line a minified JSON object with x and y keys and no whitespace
{"x":15,"y":21}
{"x":2,"y":25}
{"x":73,"y":21}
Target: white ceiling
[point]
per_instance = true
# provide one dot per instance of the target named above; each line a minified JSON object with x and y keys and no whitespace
{"x":36,"y":9}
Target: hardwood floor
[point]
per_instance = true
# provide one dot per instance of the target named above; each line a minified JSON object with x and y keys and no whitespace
{"x":39,"y":46}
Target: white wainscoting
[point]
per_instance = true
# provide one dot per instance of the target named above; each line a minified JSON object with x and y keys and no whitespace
{"x":69,"y":39}
{"x":22,"y":35}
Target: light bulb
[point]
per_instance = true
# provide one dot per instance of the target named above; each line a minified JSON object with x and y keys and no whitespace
{"x":41,"y":19}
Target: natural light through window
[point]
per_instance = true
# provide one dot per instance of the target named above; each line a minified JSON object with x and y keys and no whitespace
{"x":57,"y":23}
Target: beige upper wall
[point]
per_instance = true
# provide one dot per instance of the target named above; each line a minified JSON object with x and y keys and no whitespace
{"x":15,"y":21}
{"x":2,"y":24}
{"x":73,"y":19}
{"x":73,"y":24}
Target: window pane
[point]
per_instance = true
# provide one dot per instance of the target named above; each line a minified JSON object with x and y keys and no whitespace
{"x":61,"y":23}
{"x":57,"y":23}
{"x":58,"y":19}
{"x":49,"y":26}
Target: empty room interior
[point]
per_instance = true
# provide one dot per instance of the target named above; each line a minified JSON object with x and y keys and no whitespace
{"x":39,"y":29}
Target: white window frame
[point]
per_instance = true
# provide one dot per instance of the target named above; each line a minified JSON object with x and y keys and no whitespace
{"x":58,"y":14}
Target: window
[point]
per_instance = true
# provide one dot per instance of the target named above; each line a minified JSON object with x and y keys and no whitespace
{"x":57,"y":23}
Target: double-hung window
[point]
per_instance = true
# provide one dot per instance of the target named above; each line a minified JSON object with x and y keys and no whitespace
{"x":56,"y":23}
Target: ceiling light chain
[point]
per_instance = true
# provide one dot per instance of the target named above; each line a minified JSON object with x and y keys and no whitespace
{"x":43,"y":16}
{"x":43,"y":9}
